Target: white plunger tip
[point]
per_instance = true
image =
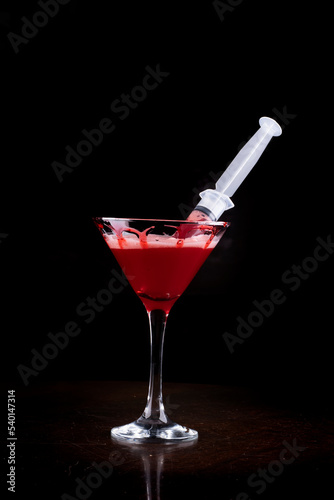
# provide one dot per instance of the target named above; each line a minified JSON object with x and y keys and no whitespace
{"x":270,"y":125}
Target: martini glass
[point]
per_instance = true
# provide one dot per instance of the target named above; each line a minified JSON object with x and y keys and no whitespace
{"x":160,"y":258}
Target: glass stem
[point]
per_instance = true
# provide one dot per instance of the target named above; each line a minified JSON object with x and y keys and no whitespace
{"x":154,"y":409}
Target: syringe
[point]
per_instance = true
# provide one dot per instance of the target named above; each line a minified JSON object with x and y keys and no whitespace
{"x":215,"y":201}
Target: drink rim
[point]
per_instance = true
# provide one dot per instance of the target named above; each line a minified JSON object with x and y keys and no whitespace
{"x":179,"y":221}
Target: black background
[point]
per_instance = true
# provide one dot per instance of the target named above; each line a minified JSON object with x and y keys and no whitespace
{"x":264,"y":58}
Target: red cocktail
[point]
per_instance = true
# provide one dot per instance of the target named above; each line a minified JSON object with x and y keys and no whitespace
{"x":159,"y":258}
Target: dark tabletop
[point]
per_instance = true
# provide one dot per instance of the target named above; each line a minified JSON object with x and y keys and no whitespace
{"x":246,"y":447}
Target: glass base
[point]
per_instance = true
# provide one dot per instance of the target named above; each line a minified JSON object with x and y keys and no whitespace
{"x":144,"y":430}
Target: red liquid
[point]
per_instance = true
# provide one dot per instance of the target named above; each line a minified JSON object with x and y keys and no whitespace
{"x":159,"y":271}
